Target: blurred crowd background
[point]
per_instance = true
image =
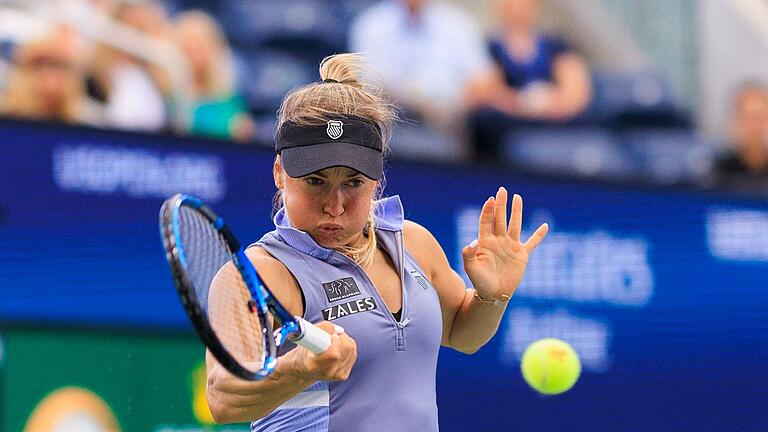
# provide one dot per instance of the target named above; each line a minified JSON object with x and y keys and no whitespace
{"x":658,"y":91}
{"x":637,"y":129}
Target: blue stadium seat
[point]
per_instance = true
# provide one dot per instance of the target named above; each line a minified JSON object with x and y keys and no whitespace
{"x":266,"y":76}
{"x":6,"y":50}
{"x":308,"y":28}
{"x":671,"y":155}
{"x":579,"y":151}
{"x":412,"y":140}
{"x":634,"y":99}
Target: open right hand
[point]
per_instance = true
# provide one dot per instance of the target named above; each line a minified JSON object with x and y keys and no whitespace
{"x":334,"y":364}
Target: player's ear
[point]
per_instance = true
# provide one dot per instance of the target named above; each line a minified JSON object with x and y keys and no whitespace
{"x":277,"y":173}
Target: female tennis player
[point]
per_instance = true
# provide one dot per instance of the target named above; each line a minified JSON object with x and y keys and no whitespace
{"x":380,"y":285}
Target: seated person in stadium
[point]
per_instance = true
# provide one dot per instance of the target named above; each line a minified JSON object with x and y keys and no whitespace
{"x":218,"y":110}
{"x":537,"y":76}
{"x":747,"y":157}
{"x":426,"y":53}
{"x":47,"y":81}
{"x":134,"y":92}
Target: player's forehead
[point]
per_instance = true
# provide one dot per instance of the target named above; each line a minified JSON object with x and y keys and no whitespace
{"x":337,"y":172}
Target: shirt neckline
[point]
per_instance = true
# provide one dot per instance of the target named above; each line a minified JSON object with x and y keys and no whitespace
{"x":388,"y":213}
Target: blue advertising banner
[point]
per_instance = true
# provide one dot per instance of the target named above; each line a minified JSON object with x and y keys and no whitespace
{"x":663,"y":293}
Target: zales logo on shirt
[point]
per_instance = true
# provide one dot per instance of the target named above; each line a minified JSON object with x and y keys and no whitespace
{"x":341,"y":289}
{"x":349,"y":308}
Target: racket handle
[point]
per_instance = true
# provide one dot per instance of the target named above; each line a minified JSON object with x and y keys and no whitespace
{"x":312,"y":337}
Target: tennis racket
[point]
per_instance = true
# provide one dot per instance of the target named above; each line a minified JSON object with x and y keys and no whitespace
{"x":236,"y":316}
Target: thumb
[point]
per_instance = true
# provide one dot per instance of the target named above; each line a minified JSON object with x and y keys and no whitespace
{"x":329,"y":327}
{"x":470,"y":251}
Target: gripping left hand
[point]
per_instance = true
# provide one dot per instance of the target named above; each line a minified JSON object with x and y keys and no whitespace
{"x":496,"y":261}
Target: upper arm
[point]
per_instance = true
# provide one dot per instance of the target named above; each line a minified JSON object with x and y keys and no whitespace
{"x":232,"y":399}
{"x":449,"y":286}
{"x":228,"y":313}
{"x":278,"y":279}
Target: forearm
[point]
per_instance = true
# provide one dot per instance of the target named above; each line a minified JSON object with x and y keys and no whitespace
{"x":475,"y":323}
{"x":233,"y":400}
{"x":506,"y":100}
{"x":567,"y":103}
{"x":495,"y":263}
{"x":572,"y":87}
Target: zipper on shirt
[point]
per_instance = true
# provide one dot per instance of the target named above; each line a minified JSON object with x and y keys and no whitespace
{"x":400,"y":342}
{"x":400,"y":333}
{"x":401,"y":256}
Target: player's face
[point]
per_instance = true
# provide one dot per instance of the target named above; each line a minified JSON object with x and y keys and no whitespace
{"x":752,"y":118}
{"x":200,"y":43}
{"x":414,"y":5}
{"x":51,"y":78}
{"x":331,"y":205}
{"x":519,"y":12}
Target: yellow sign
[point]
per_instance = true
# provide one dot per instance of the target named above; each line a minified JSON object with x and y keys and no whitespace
{"x":72,"y":409}
{"x":199,"y":400}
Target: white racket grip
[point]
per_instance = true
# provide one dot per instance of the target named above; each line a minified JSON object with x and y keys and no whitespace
{"x":312,"y":337}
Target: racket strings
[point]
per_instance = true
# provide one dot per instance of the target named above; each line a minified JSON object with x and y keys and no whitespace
{"x":247,"y":322}
{"x":204,"y":251}
{"x":220,"y":289}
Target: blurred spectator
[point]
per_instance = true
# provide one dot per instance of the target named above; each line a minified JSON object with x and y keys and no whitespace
{"x":427,"y":53}
{"x":747,"y":158}
{"x":537,"y":76}
{"x":218,"y":110}
{"x":134,"y":92}
{"x":151,"y":18}
{"x":47,"y":81}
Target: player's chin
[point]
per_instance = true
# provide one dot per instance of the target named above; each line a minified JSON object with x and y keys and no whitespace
{"x":330,"y":239}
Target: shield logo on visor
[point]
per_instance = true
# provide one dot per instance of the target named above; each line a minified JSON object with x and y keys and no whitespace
{"x":335,"y":128}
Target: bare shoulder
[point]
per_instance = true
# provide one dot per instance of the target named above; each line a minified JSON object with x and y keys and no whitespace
{"x":422,"y":245}
{"x":278,"y":278}
{"x":415,"y":233}
{"x":264,"y":262}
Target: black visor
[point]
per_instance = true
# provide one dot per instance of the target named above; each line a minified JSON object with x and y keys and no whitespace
{"x":347,"y":141}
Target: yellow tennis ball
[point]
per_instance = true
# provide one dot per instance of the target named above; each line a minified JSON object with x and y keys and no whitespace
{"x":550,"y":366}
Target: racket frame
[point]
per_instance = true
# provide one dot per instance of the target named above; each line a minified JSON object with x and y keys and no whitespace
{"x":261,"y":302}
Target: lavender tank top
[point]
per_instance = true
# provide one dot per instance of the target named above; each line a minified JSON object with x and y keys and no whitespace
{"x":392,"y":384}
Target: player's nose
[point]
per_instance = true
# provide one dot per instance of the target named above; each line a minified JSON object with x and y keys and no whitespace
{"x":334,"y":203}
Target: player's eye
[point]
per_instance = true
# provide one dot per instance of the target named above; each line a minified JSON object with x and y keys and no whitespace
{"x":355,"y":182}
{"x":313,"y":181}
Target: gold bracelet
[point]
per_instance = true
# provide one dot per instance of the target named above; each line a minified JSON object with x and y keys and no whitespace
{"x":494,"y":301}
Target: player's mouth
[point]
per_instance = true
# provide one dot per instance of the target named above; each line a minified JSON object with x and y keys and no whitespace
{"x":331,"y":229}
